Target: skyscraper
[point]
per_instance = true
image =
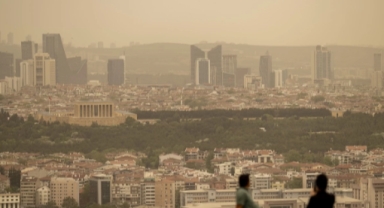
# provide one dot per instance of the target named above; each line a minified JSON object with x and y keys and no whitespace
{"x":100,"y":189}
{"x":278,"y":78}
{"x":265,"y":69}
{"x":45,"y":70}
{"x":215,"y":58}
{"x":228,"y":70}
{"x":377,"y":62}
{"x":203,"y":72}
{"x":17,"y":67}
{"x":196,"y":53}
{"x":54,"y":47}
{"x":28,"y":49}
{"x":239,"y":74}
{"x":322,"y":64}
{"x":10,"y":39}
{"x":6,"y":65}
{"x":115,"y":71}
{"x":27,"y":72}
{"x":78,"y":70}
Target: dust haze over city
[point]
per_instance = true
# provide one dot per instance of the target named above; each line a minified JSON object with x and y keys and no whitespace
{"x":165,"y":104}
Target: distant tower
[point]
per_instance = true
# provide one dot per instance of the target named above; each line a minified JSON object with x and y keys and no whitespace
{"x":265,"y":69}
{"x":240,"y":74}
{"x":6,"y":65}
{"x":377,"y":62}
{"x":100,"y":188}
{"x":52,"y":44}
{"x":322,"y":64}
{"x":215,"y":58}
{"x":10,"y":39}
{"x":28,"y":50}
{"x":115,"y":71}
{"x":377,"y":76}
{"x":44,"y":70}
{"x":203,"y":71}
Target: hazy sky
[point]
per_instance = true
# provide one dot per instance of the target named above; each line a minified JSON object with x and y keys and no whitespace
{"x":262,"y":22}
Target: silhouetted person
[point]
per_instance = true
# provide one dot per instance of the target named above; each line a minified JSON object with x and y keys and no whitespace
{"x":243,"y":199}
{"x":321,"y":199}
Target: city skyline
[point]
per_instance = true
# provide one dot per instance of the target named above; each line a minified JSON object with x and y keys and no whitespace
{"x":305,"y":23}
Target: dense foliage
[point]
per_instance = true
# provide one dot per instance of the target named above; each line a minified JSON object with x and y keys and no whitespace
{"x":244,"y":113}
{"x":298,"y":138}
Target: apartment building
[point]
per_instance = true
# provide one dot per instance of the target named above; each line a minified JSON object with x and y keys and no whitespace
{"x":370,"y":190}
{"x":165,"y":193}
{"x":62,"y":188}
{"x":10,"y":200}
{"x":261,"y":181}
{"x":43,"y":196}
{"x":126,"y":193}
{"x":147,"y":196}
{"x":28,"y":187}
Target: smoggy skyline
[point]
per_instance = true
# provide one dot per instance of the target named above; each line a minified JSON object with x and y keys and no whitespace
{"x":258,"y":22}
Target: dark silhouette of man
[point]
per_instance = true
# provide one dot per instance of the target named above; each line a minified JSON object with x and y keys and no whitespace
{"x":243,"y":199}
{"x":321,"y":199}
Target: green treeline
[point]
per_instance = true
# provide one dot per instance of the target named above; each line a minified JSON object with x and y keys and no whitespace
{"x":297,"y":138}
{"x":244,"y":113}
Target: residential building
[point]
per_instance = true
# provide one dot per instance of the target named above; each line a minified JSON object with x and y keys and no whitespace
{"x":43,"y":196}
{"x":6,"y":65}
{"x":101,"y":189}
{"x":147,"y":196}
{"x":165,"y":193}
{"x":253,"y":82}
{"x":27,"y":73}
{"x":370,"y":190}
{"x":28,"y":50}
{"x":223,"y":168}
{"x":207,"y":196}
{"x":52,"y":44}
{"x":10,"y":200}
{"x":228,"y":70}
{"x":261,"y":181}
{"x":265,"y":70}
{"x":14,"y":84}
{"x":4,"y":183}
{"x":321,"y":64}
{"x":62,"y":188}
{"x":115,"y":71}
{"x":126,"y":193}
{"x":215,"y":60}
{"x":28,"y":187}
{"x":203,"y":71}
{"x":309,"y":178}
{"x":240,"y":74}
{"x":45,"y":70}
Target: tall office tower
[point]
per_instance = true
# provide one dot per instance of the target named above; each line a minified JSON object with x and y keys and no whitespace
{"x":322,"y":64}
{"x":27,"y":73}
{"x":196,"y":53}
{"x":228,"y":70}
{"x":28,"y":50}
{"x":78,"y":70}
{"x":53,"y":45}
{"x":100,"y":44}
{"x":17,"y":67}
{"x":115,"y":71}
{"x":239,"y":75}
{"x":62,"y":188}
{"x":278,"y":78}
{"x":10,"y":39}
{"x":284,"y":75}
{"x":265,"y":69}
{"x":203,"y":71}
{"x":28,"y":187}
{"x":215,"y":58}
{"x":45,"y":70}
{"x":377,"y":82}
{"x":100,"y":189}
{"x":6,"y":65}
{"x":377,"y":62}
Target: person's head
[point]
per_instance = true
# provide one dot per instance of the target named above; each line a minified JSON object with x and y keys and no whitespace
{"x":244,"y":181}
{"x":321,"y":182}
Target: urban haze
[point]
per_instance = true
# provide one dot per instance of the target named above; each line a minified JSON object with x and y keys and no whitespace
{"x":165,"y":104}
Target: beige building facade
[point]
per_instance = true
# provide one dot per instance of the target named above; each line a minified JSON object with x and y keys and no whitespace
{"x":62,"y":188}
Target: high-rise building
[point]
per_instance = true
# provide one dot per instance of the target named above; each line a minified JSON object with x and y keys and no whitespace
{"x":377,"y":82}
{"x":28,"y":187}
{"x":284,"y":75}
{"x":27,"y":73}
{"x":53,"y":45}
{"x":10,"y":39}
{"x":309,"y":178}
{"x":14,"y":84}
{"x":28,"y":49}
{"x":6,"y":65}
{"x":203,"y":71}
{"x":147,"y":196}
{"x":228,"y":70}
{"x":3,"y":87}
{"x":115,"y":71}
{"x":215,"y":57}
{"x":78,"y":70}
{"x":17,"y":67}
{"x":265,"y":69}
{"x":62,"y":188}
{"x":370,"y":190}
{"x":277,"y":78}
{"x":377,"y":62}
{"x":167,"y":192}
{"x":322,"y":64}
{"x":45,"y":70}
{"x":100,"y":189}
{"x":239,"y":74}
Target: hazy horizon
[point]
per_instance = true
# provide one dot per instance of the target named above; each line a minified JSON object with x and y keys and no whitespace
{"x":272,"y":23}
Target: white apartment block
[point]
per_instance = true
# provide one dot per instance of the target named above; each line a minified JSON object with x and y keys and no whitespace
{"x":309,"y":178}
{"x":45,"y":70}
{"x":261,"y":181}
{"x":43,"y":195}
{"x":10,"y":200}
{"x":27,"y":72}
{"x":223,"y":168}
